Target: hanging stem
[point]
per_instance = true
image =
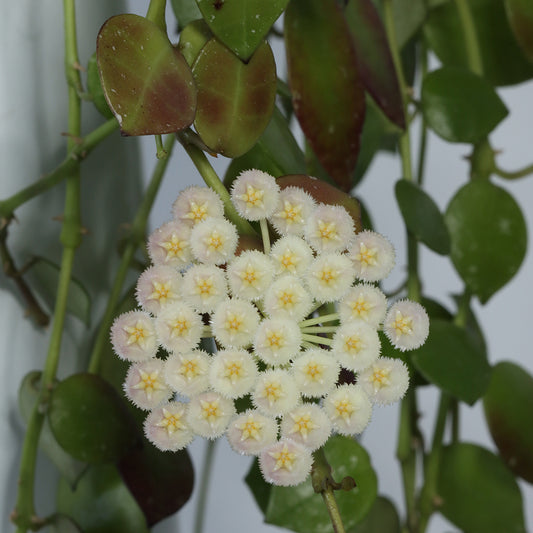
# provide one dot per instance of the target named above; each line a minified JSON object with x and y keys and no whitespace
{"x":526,"y":171}
{"x":473,"y":53}
{"x":319,"y":320}
{"x":204,"y":486}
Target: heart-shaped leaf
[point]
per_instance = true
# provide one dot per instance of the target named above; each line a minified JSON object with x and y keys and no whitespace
{"x":235,"y":99}
{"x":478,"y":492}
{"x":460,"y":106}
{"x":488,"y":235}
{"x":192,"y":39}
{"x":147,"y":83}
{"x":327,"y":93}
{"x":374,"y":58}
{"x":507,"y":404}
{"x":90,"y":420}
{"x":520,"y":15}
{"x":241,"y":25}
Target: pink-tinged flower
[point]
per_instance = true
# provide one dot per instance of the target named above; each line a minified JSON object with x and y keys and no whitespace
{"x":145,"y":385}
{"x":385,"y":381}
{"x":158,"y":286}
{"x":329,"y":277}
{"x":285,"y":463}
{"x":315,"y":372}
{"x":277,"y":340}
{"x":179,"y":328}
{"x":349,"y":409}
{"x":133,"y":336}
{"x":291,"y":255}
{"x":406,"y":325}
{"x":166,"y":427}
{"x":288,"y":296}
{"x":255,"y":194}
{"x":233,"y":373}
{"x":209,"y":414}
{"x":250,"y":274}
{"x":214,"y":241}
{"x":234,"y":323}
{"x":204,"y":287}
{"x":308,"y":424}
{"x":169,"y":245}
{"x":365,"y":302}
{"x":251,"y":432}
{"x":194,"y":204}
{"x":329,"y":229}
{"x":188,"y":373}
{"x":292,"y":212}
{"x":356,"y":345}
{"x":275,"y":392}
{"x":372,"y":256}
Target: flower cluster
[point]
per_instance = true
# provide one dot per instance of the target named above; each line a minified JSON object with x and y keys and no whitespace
{"x":276,"y":346}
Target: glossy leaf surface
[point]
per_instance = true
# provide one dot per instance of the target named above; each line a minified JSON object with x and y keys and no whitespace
{"x":147,"y":83}
{"x":242,"y":25}
{"x":520,"y":15}
{"x":382,"y":517}
{"x":235,"y":100}
{"x":488,"y":235}
{"x":327,"y":93}
{"x":478,"y":492}
{"x":450,"y":359}
{"x":508,"y":403}
{"x":422,"y":216}
{"x":90,"y":420}
{"x":374,"y":59}
{"x":460,"y":106}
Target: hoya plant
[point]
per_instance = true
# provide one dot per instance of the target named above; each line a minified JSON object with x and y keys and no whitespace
{"x":257,"y":313}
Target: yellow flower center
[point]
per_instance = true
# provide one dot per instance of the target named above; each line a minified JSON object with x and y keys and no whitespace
{"x":214,"y":241}
{"x":274,"y":339}
{"x":204,"y":286}
{"x":197,"y":212}
{"x":313,"y":371}
{"x":161,"y":291}
{"x":380,"y":378}
{"x":137,"y":334}
{"x":367,"y":256}
{"x":327,"y":230}
{"x":284,"y":459}
{"x":343,"y":409}
{"x":249,"y":276}
{"x":171,"y":422}
{"x":360,"y":307}
{"x":174,"y":247}
{"x":210,"y":410}
{"x":190,"y":369}
{"x":353,"y":344}
{"x":303,"y":424}
{"x":272,"y":392}
{"x":180,"y":327}
{"x":250,"y":429}
{"x":149,"y":383}
{"x":234,"y":322}
{"x":402,"y":324}
{"x":291,"y":212}
{"x":253,"y":197}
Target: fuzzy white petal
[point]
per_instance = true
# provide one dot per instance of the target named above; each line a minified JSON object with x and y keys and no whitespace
{"x":406,"y":325}
{"x":234,"y":323}
{"x":372,"y":255}
{"x":188,"y":373}
{"x":209,"y":414}
{"x":275,"y":392}
{"x":365,"y":302}
{"x":285,"y":463}
{"x":204,"y":287}
{"x":233,"y":373}
{"x":329,"y":229}
{"x":356,"y":345}
{"x":133,"y":336}
{"x":288,"y":296}
{"x":316,"y":372}
{"x":255,"y":194}
{"x":250,"y":274}
{"x":195,"y":204}
{"x":385,"y":381}
{"x":308,"y":424}
{"x":329,"y":277}
{"x":214,"y":241}
{"x":145,"y":386}
{"x":169,"y":245}
{"x":251,"y":432}
{"x":166,"y":427}
{"x":179,"y":327}
{"x":349,"y":409}
{"x":157,"y":287}
{"x":291,"y":255}
{"x":277,"y":340}
{"x":292,"y":212}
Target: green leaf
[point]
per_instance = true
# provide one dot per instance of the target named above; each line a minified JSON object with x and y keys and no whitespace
{"x":147,"y":83}
{"x":260,"y":488}
{"x":382,"y":518}
{"x":520,"y":16}
{"x":186,"y":11}
{"x":330,"y":107}
{"x":28,"y":394}
{"x":241,"y":26}
{"x":450,"y":359}
{"x":408,"y":16}
{"x":488,"y":235}
{"x":507,"y":405}
{"x":45,"y":277}
{"x":192,"y":39}
{"x":460,"y":106}
{"x":422,"y":216}
{"x":95,"y":88}
{"x":235,"y":99}
{"x":90,"y":420}
{"x":101,"y":503}
{"x":478,"y":492}
{"x":374,"y":58}
{"x":301,"y":509}
{"x":63,"y":524}
{"x":502,"y":59}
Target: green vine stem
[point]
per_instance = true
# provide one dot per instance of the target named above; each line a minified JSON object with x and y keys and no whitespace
{"x":473,"y":53}
{"x":522,"y":173}
{"x":156,"y":13}
{"x":204,"y":486}
{"x":137,"y":234}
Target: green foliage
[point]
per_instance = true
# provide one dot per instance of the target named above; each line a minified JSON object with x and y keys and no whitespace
{"x":94,"y":87}
{"x":520,"y":15}
{"x":382,"y":517}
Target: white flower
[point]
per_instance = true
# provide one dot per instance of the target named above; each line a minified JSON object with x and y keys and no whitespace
{"x":285,"y":463}
{"x":287,"y":295}
{"x":178,"y":327}
{"x":349,"y":408}
{"x":291,"y":255}
{"x":329,"y":229}
{"x":277,"y":340}
{"x":250,"y":274}
{"x":316,"y":372}
{"x":188,"y":373}
{"x":204,"y":287}
{"x":232,"y":373}
{"x":158,"y":286}
{"x":372,"y":255}
{"x":356,"y":345}
{"x":214,"y":241}
{"x":166,"y":427}
{"x":251,"y":432}
{"x":385,"y":381}
{"x":308,"y":424}
{"x":406,"y":325}
{"x":195,"y":204}
{"x":209,"y":414}
{"x":293,"y":210}
{"x":234,"y":323}
{"x":255,"y":194}
{"x":365,"y":302}
{"x":169,"y":245}
{"x":275,"y":392}
{"x":133,"y":336}
{"x":144,"y":384}
{"x":329,"y":277}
